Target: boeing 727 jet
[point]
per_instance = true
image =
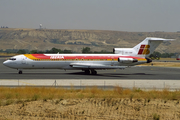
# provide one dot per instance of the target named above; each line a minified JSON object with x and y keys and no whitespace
{"x":122,"y":58}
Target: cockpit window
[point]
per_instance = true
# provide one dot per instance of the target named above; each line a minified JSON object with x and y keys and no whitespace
{"x":12,"y":58}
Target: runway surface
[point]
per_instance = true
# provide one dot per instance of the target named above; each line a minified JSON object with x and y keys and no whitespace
{"x":139,"y":77}
{"x":138,"y":73}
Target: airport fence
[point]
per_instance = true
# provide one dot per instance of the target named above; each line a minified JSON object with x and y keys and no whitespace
{"x":100,"y":83}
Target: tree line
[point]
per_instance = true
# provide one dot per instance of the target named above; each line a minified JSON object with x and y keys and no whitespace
{"x":158,"y":55}
{"x":87,"y":50}
{"x":26,"y":51}
{"x":53,"y":50}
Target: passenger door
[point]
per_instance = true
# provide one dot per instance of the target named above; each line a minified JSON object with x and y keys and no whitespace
{"x":23,"y":60}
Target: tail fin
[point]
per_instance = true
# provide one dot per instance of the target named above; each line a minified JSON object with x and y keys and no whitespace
{"x":143,"y":49}
{"x":147,"y":46}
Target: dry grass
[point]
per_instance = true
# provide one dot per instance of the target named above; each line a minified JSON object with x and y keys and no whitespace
{"x":7,"y":54}
{"x":33,"y":94}
{"x":92,"y":103}
{"x":168,"y":59}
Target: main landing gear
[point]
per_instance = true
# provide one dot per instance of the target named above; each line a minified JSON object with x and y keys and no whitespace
{"x":20,"y":72}
{"x":93,"y":72}
{"x":87,"y":72}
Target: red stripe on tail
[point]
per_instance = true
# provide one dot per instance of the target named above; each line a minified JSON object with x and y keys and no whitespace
{"x":141,"y":49}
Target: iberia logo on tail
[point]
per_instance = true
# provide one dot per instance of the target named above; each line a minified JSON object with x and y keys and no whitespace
{"x":144,"y":50}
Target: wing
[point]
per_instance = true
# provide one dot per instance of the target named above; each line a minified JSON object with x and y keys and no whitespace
{"x":95,"y":66}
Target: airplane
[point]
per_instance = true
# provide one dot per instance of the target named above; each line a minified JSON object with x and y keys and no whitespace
{"x":122,"y":58}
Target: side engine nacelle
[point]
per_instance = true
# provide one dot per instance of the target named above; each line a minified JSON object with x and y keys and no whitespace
{"x":127,"y":60}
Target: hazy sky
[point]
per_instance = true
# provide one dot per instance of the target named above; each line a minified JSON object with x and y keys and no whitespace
{"x":120,"y":15}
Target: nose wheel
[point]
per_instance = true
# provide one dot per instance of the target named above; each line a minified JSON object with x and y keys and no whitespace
{"x":20,"y":72}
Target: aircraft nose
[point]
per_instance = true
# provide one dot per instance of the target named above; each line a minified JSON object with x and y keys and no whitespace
{"x":5,"y":63}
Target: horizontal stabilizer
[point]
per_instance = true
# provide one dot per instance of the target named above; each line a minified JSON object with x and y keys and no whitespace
{"x":159,"y":39}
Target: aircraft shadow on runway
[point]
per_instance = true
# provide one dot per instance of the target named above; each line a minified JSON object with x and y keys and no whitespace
{"x":70,"y":75}
{"x":107,"y":74}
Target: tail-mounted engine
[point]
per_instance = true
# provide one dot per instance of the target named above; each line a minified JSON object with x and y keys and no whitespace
{"x":118,"y":50}
{"x":127,"y":60}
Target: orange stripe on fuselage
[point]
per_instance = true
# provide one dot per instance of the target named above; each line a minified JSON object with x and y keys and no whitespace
{"x":30,"y":56}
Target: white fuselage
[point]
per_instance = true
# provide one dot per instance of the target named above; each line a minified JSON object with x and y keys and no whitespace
{"x":65,"y":61}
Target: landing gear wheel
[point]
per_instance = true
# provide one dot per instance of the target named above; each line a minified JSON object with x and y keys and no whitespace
{"x":93,"y":72}
{"x":87,"y":72}
{"x":20,"y":72}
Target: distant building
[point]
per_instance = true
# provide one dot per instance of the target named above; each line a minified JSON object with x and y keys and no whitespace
{"x":4,"y":26}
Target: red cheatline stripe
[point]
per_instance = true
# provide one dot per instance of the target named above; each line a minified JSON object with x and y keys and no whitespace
{"x":42,"y":56}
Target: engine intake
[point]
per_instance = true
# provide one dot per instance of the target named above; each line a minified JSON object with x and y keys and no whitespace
{"x":127,"y":60}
